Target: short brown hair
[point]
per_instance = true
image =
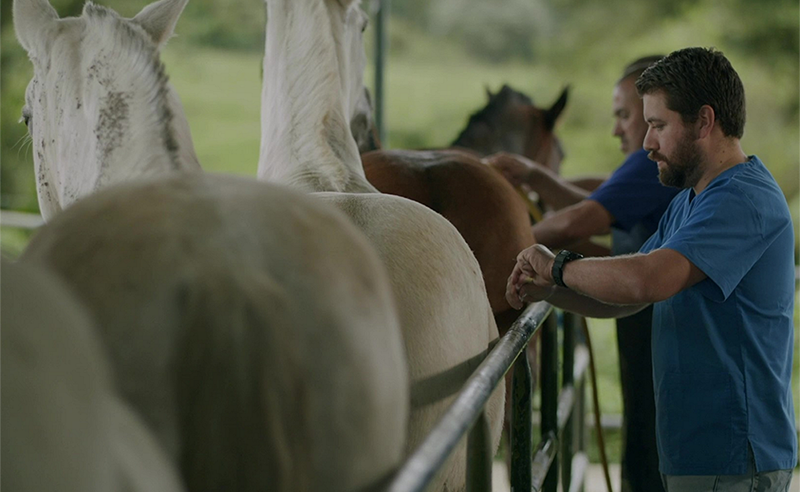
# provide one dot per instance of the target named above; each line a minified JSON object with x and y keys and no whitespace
{"x":636,"y":67}
{"x":693,"y":77}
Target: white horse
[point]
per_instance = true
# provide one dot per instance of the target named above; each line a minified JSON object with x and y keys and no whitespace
{"x":75,"y":90}
{"x":251,"y":326}
{"x":64,"y":427}
{"x":313,"y":67}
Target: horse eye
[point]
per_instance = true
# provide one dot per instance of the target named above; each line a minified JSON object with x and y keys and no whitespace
{"x":26,"y":117}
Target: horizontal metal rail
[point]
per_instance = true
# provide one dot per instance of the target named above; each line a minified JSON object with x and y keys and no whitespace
{"x":420,"y":468}
{"x":20,"y":220}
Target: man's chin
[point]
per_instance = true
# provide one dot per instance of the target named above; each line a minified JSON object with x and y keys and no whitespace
{"x":666,"y":178}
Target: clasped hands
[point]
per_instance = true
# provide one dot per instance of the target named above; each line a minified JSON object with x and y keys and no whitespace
{"x":532,"y":279}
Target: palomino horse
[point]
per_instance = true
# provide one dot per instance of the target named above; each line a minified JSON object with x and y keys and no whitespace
{"x":313,"y":66}
{"x":64,"y":427}
{"x":252,"y":327}
{"x":482,"y":205}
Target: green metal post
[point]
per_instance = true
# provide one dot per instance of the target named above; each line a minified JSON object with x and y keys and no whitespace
{"x":381,"y":45}
{"x":567,"y":436}
{"x":479,"y":457}
{"x":550,"y":392}
{"x":521,"y":424}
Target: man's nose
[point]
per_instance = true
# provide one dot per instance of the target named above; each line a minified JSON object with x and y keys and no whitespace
{"x":650,"y":142}
{"x":618,"y":129}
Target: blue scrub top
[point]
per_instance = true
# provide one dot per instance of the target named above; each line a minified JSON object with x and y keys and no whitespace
{"x":633,"y":195}
{"x":722,"y":349}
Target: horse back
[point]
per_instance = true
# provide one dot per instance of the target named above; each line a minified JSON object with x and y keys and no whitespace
{"x":478,"y":201}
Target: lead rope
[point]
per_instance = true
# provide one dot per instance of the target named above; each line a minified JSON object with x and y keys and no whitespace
{"x":536,"y":213}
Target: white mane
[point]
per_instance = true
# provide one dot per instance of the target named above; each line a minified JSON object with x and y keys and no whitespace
{"x":100,"y":87}
{"x":310,"y":90}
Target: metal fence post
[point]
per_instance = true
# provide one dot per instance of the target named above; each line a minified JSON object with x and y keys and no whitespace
{"x":521,"y":425}
{"x":549,"y":375}
{"x":381,"y":43}
{"x":479,"y":457}
{"x":568,"y":378}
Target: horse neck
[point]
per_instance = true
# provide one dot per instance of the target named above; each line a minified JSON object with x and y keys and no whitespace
{"x":305,"y":133}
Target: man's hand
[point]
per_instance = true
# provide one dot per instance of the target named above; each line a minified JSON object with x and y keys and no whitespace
{"x":517,"y":169}
{"x":531,"y":280}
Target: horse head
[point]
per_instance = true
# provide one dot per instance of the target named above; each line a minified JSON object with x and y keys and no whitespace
{"x":511,"y":123}
{"x":99,"y":108}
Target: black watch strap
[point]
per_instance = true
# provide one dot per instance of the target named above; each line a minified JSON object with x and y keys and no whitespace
{"x":562,"y":258}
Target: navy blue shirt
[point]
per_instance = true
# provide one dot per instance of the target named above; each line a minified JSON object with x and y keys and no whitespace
{"x":722,"y":349}
{"x":635,"y":197}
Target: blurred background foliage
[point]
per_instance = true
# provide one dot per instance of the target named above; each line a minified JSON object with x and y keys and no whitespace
{"x":442,"y":57}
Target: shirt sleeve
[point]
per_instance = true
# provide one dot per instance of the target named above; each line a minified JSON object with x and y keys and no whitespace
{"x":723,"y":236}
{"x":655,"y":241}
{"x":633,"y":192}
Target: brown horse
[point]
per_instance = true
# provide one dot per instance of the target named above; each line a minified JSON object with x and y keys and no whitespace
{"x":483,"y":206}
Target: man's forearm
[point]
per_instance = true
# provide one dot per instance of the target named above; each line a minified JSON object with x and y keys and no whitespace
{"x":588,"y":183}
{"x":554,"y":190}
{"x":620,"y":280}
{"x":575,"y":223}
{"x":572,"y":301}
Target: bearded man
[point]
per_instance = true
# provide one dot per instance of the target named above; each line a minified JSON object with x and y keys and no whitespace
{"x":719,"y":272}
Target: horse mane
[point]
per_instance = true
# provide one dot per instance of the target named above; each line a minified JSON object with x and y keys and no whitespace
{"x":306,"y":141}
{"x":132,"y":38}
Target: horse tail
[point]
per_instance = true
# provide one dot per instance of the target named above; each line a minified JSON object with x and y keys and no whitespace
{"x":230,"y":378}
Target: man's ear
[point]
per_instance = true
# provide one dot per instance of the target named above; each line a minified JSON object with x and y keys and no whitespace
{"x":705,"y":120}
{"x":32,"y":19}
{"x":159,"y":19}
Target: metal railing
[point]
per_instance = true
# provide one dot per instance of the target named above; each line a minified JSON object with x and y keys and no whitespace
{"x":20,"y":220}
{"x":561,"y":431}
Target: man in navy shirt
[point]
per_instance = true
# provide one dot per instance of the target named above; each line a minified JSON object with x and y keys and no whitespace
{"x":629,"y":203}
{"x":720,"y":271}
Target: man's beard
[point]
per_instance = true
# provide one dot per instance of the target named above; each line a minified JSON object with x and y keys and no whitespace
{"x":685,"y":167}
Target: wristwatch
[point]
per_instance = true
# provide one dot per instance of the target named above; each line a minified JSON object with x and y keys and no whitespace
{"x":562,"y":258}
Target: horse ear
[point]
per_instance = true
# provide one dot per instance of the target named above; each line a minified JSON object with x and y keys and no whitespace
{"x":159,"y":19}
{"x":346,"y":4}
{"x":32,"y":18}
{"x":489,"y":94}
{"x":552,"y":114}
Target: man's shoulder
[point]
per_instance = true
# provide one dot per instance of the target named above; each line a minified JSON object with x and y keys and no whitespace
{"x":638,"y":158}
{"x":749,"y":182}
{"x":636,"y":166}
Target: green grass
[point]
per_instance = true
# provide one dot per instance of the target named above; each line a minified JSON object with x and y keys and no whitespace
{"x":220,"y":92}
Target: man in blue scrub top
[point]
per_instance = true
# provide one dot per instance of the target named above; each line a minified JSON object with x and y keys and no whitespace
{"x":629,"y":203}
{"x":720,"y":273}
